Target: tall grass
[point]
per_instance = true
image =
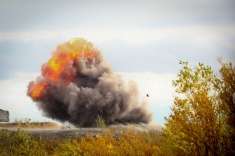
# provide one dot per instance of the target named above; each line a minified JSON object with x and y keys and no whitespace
{"x":127,"y":143}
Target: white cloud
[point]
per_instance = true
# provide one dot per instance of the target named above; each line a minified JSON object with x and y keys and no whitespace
{"x":14,"y":99}
{"x":157,"y":86}
{"x":198,"y":33}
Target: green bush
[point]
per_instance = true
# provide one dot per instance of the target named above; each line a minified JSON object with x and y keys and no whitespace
{"x":20,"y":143}
{"x":100,"y":122}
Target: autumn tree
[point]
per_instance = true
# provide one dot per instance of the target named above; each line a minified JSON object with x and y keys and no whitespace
{"x":226,"y":87}
{"x":194,"y":126}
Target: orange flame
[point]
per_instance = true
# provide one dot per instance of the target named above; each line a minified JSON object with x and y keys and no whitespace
{"x":56,"y":66}
{"x":68,"y":52}
{"x":37,"y":89}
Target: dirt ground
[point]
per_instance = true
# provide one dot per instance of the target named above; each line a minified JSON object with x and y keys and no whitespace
{"x":69,"y":131}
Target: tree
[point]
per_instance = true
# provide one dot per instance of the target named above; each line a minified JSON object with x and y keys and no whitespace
{"x":227,"y":96}
{"x":99,"y":122}
{"x":194,"y":125}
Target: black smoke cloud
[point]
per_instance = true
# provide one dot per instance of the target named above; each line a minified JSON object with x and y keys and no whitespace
{"x":94,"y":90}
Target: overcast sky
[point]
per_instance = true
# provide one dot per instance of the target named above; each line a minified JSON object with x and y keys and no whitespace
{"x":143,"y":40}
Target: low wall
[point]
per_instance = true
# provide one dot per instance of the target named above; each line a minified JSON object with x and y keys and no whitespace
{"x":4,"y":116}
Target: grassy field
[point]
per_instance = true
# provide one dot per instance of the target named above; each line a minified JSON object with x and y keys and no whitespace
{"x":27,"y":123}
{"x":119,"y":140}
{"x":127,"y":142}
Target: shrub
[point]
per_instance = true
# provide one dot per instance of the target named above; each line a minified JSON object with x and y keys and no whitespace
{"x":100,"y":122}
{"x":20,"y":143}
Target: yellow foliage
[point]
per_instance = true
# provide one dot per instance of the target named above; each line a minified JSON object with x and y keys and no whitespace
{"x":196,"y":123}
{"x":128,"y":143}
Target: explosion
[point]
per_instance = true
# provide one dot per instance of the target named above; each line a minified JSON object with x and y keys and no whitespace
{"x":77,"y":85}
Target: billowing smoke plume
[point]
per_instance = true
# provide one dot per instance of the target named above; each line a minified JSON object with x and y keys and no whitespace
{"x":77,"y":84}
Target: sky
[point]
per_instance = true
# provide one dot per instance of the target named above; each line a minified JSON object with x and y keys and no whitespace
{"x":143,"y":40}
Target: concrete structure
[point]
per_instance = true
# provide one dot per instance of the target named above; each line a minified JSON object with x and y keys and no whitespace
{"x":4,"y":116}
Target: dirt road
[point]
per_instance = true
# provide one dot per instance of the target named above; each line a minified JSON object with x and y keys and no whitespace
{"x":72,"y":132}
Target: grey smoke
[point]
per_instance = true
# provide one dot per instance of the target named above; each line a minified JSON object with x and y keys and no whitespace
{"x":95,"y":90}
